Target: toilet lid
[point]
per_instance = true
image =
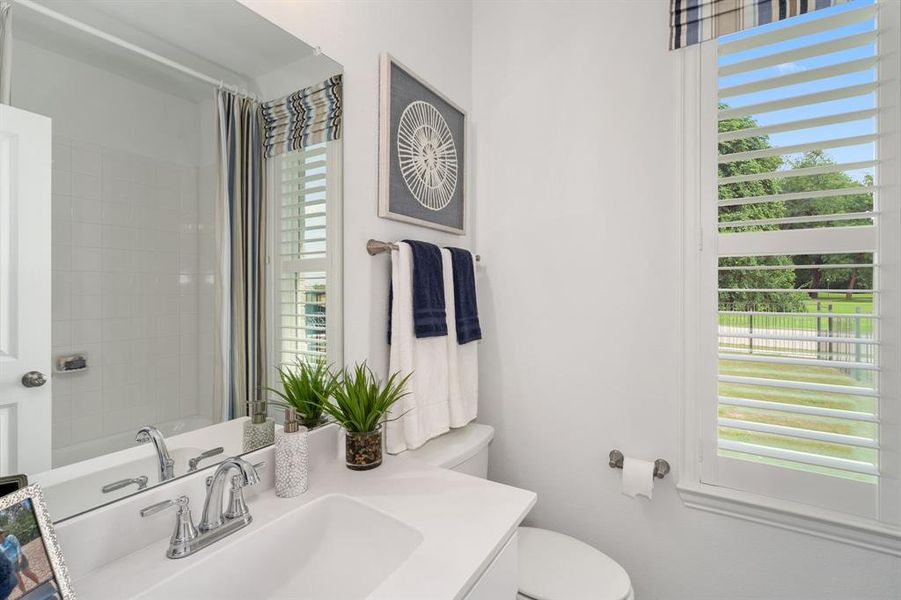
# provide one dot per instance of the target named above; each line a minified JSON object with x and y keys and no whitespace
{"x":553,"y":566}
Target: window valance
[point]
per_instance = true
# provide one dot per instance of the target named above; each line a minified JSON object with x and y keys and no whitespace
{"x":696,"y":21}
{"x":306,"y":117}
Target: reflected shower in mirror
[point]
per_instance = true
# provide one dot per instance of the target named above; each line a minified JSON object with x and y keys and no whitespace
{"x":177,"y":287}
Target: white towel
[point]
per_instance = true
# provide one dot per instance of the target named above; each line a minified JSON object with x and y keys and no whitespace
{"x":463,"y":360}
{"x":425,"y":409}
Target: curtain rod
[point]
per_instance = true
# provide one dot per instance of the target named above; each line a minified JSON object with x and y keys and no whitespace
{"x":48,"y":12}
{"x":374,"y":247}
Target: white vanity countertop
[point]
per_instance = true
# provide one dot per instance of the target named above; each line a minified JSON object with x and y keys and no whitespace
{"x":464,"y":522}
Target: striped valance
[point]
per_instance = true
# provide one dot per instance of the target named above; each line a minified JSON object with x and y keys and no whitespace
{"x":695,"y":21}
{"x":306,"y":117}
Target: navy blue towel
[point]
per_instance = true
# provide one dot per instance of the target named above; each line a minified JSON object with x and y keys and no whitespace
{"x":465,"y":306}
{"x":390,"y":305}
{"x":429,"y":316}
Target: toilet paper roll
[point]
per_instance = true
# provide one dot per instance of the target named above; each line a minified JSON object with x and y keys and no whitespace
{"x":638,"y":478}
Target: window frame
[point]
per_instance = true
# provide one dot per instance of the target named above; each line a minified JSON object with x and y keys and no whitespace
{"x":703,"y":483}
{"x":332,"y":264}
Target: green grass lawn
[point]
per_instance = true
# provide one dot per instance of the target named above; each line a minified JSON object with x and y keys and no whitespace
{"x":840,"y":306}
{"x":840,"y":303}
{"x":792,"y":396}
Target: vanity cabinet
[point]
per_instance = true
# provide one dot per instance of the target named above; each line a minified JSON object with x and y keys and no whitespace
{"x":500,"y":579}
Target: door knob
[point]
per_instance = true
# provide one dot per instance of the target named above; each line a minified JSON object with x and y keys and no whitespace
{"x":34,"y":379}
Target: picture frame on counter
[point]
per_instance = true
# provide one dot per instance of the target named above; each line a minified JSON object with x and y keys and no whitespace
{"x":11,"y":483}
{"x":31,"y":561}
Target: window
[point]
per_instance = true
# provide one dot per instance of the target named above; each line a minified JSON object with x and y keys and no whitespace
{"x":796,"y":295}
{"x":305,"y":233}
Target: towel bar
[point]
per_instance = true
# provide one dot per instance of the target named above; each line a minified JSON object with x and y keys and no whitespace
{"x":374,"y":247}
{"x":661,"y":467}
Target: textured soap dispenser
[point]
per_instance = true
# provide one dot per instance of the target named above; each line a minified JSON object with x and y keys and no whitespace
{"x":259,"y":431}
{"x":291,"y":457}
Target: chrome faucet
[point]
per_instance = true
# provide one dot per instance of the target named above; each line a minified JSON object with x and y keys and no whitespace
{"x":213,"y":516}
{"x":215,"y":523}
{"x":149,"y":433}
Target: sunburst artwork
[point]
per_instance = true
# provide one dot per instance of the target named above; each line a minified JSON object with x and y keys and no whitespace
{"x":421,"y":158}
{"x":427,"y":155}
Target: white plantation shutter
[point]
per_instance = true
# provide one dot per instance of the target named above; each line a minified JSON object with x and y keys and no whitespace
{"x":803,"y":281}
{"x":304,"y":190}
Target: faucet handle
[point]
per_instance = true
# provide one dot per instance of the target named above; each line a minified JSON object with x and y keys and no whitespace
{"x":185,"y":531}
{"x":195,"y":462}
{"x":115,"y":486}
{"x":181,"y":503}
{"x":237,"y":506}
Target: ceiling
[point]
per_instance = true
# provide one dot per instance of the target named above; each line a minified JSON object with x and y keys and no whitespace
{"x":220,"y":38}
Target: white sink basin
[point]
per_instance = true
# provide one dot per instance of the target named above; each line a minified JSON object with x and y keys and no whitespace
{"x":333,"y":548}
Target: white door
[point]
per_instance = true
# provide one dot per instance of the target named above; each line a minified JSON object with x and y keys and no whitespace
{"x":25,"y":169}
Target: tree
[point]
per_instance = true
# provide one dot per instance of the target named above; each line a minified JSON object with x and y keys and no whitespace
{"x":20,"y":521}
{"x":768,"y":279}
{"x":815,"y":278}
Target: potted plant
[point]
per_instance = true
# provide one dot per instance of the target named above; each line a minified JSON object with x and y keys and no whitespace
{"x":360,"y":404}
{"x":307,"y":387}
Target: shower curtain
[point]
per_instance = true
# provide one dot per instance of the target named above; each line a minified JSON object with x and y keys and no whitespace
{"x":241,"y":251}
{"x":6,"y":50}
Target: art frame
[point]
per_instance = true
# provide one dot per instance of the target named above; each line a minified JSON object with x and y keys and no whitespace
{"x":399,"y":202}
{"x":12,"y":483}
{"x":32,"y":498}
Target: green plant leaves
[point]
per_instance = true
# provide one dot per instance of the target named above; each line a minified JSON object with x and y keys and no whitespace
{"x":361,"y":401}
{"x":307,"y":387}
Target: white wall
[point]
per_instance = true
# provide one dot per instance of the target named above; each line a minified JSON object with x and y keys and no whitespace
{"x":581,"y":346}
{"x":578,"y":216}
{"x":302,"y":73}
{"x":354,"y":34}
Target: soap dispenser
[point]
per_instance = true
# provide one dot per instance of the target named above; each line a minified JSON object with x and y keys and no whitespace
{"x":259,"y":430}
{"x":291,"y":457}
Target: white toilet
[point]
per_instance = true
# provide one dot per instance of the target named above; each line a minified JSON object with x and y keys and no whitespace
{"x":552,"y":566}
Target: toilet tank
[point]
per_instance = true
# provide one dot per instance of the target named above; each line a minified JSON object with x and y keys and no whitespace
{"x":464,"y":450}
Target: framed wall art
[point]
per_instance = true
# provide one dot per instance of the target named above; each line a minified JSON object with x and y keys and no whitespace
{"x":422,"y":151}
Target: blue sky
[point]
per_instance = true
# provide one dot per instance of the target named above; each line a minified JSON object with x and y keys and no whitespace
{"x":846,"y":154}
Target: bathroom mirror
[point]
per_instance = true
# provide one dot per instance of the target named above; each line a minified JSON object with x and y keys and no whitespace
{"x":177,"y":286}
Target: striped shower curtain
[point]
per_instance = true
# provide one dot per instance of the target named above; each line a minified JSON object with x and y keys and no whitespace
{"x":241,"y":244}
{"x":696,"y":21}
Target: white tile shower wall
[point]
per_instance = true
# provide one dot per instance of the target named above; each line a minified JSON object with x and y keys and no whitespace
{"x":125,"y":290}
{"x":206,"y":315}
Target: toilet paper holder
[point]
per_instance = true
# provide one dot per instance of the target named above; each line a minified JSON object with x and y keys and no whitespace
{"x":661,"y":467}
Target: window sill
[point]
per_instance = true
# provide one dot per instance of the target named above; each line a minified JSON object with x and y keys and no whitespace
{"x":830,"y":525}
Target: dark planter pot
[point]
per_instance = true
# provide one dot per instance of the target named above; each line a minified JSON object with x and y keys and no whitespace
{"x":363,"y":451}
